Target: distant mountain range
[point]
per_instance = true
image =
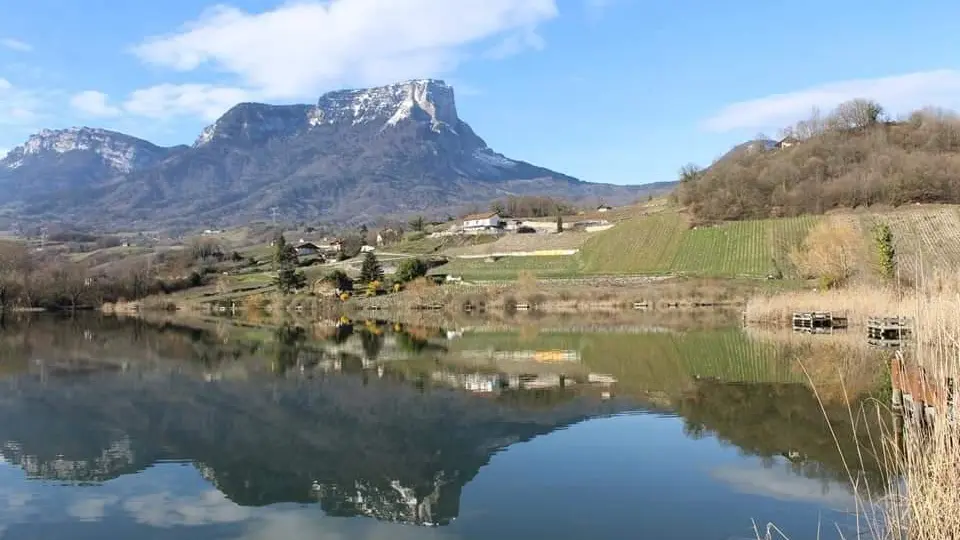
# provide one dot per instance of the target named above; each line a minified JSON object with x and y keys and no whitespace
{"x":354,"y":156}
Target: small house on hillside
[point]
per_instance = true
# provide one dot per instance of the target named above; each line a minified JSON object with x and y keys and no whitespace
{"x":307,"y":249}
{"x":604,"y":208}
{"x":333,"y":246}
{"x":787,"y":142}
{"x":477,"y":222}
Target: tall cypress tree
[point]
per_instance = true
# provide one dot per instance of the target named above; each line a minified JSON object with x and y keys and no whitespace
{"x":371,"y":269}
{"x":285,"y":263}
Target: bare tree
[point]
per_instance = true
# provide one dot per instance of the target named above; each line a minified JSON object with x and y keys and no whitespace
{"x":13,"y":256}
{"x":857,"y":114}
{"x":810,"y":127}
{"x":70,"y":279}
{"x":690,"y":172}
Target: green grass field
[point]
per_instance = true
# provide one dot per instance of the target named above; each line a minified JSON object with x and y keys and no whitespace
{"x":643,"y":245}
{"x":742,"y":248}
{"x":509,"y":268}
{"x":663,"y":244}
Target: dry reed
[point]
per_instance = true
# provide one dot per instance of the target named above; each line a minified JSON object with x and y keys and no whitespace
{"x":932,"y":306}
{"x":921,"y":457}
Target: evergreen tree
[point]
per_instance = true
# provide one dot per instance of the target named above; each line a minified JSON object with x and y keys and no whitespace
{"x":417,"y":224}
{"x":883,"y":239}
{"x":285,"y":264}
{"x":371,"y":269}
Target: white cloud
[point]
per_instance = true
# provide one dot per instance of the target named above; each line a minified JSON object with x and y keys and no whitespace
{"x":303,"y":48}
{"x":91,"y":508}
{"x":16,"y":45}
{"x":307,"y":524}
{"x":203,"y":100}
{"x":17,"y":105}
{"x":516,"y":43}
{"x":3,"y":154}
{"x":898,"y":94}
{"x":166,"y":510}
{"x":779,"y":483}
{"x":93,"y":103}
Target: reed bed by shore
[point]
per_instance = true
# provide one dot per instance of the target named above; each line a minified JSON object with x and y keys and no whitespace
{"x":921,"y":457}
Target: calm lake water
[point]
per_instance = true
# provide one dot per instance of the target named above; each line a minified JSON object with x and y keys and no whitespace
{"x":123,"y":429}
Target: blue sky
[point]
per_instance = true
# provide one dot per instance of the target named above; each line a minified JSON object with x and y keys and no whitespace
{"x":621,"y":91}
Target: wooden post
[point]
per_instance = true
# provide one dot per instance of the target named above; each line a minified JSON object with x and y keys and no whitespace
{"x":896,"y":392}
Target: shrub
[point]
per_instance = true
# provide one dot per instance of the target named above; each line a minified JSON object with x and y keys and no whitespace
{"x":411,"y":269}
{"x":829,"y":253}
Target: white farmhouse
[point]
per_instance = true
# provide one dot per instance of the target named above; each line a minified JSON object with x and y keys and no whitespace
{"x":476,"y":222}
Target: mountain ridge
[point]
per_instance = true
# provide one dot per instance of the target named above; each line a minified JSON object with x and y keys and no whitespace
{"x":353,"y":156}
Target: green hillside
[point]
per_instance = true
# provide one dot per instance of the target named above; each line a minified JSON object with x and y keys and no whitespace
{"x":660,"y":244}
{"x":664,"y":244}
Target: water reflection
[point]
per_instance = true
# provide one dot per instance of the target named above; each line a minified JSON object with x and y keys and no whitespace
{"x":380,"y":420}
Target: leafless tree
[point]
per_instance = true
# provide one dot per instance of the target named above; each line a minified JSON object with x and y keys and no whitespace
{"x":70,"y":279}
{"x":12,"y":260}
{"x":857,"y":114}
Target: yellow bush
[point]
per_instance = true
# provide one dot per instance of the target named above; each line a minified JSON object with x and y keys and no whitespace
{"x":831,"y":252}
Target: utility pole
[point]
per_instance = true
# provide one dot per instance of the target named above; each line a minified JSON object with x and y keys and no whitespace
{"x":273,"y":214}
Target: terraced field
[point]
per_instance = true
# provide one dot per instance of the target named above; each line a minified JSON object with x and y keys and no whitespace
{"x":927,"y":236}
{"x":663,"y":244}
{"x":643,"y":245}
{"x":742,"y":248}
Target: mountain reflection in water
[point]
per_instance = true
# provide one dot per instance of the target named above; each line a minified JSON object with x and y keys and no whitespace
{"x":378,"y":420}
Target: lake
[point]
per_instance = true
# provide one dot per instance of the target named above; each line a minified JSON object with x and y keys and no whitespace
{"x":115,"y":428}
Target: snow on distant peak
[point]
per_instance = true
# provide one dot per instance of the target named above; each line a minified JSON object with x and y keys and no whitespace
{"x":492,"y":159}
{"x":120,"y":152}
{"x":389,"y":104}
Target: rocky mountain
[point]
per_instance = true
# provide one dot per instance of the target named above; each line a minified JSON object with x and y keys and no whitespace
{"x":353,"y":156}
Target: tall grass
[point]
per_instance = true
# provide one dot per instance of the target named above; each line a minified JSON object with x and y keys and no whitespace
{"x":932,"y":305}
{"x":921,"y":457}
{"x":926,"y":504}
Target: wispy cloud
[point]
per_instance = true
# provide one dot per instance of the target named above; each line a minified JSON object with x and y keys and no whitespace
{"x":167,"y":510}
{"x":516,"y":43}
{"x":16,"y":45}
{"x":781,"y":484}
{"x":304,"y":48}
{"x":93,"y":103}
{"x":18,"y":106}
{"x":170,"y":100}
{"x":898,"y":94}
{"x":92,"y":508}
